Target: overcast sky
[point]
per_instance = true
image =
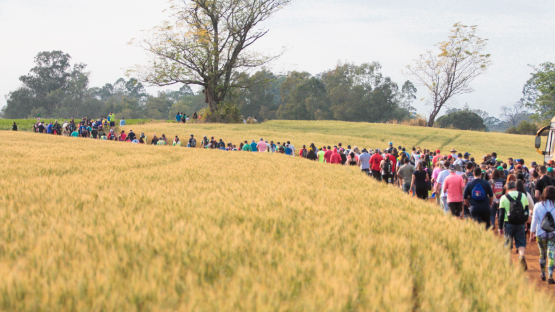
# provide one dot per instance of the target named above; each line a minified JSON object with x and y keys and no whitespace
{"x":317,"y":34}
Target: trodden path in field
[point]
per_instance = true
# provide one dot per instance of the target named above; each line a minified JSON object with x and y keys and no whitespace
{"x":533,"y":262}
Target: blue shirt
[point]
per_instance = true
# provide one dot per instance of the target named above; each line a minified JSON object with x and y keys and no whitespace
{"x":49,"y":129}
{"x":288,"y":151}
{"x":122,"y":122}
{"x":253,"y":147}
{"x":177,"y":117}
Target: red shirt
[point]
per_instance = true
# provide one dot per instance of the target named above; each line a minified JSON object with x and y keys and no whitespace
{"x":335,"y":158}
{"x":453,"y":186}
{"x":375,"y":161}
{"x":393,"y":162}
{"x":327,"y":155}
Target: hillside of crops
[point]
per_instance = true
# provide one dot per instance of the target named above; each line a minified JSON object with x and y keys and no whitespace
{"x":101,"y":225}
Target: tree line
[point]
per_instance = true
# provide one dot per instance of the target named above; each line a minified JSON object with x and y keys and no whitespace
{"x":54,"y":88}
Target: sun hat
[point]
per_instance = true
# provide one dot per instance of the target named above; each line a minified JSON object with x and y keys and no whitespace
{"x":452,"y":168}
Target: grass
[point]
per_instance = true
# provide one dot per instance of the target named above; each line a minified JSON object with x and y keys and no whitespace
{"x":108,"y":226}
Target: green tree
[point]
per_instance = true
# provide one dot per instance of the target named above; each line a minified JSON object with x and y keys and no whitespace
{"x":49,"y":87}
{"x":539,"y":92}
{"x":304,"y":98}
{"x":260,"y":98}
{"x":362,"y":93}
{"x":450,"y":72}
{"x":463,"y":120}
{"x":206,"y":43}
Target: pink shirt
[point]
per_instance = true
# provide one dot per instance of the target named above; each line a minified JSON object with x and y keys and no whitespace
{"x":261,"y":146}
{"x":454,"y":185}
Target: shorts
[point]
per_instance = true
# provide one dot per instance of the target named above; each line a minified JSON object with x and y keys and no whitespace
{"x":516,"y":232}
{"x":455,"y":208}
{"x":112,"y":123}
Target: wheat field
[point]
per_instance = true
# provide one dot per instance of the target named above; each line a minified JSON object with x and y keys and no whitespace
{"x":89,"y":225}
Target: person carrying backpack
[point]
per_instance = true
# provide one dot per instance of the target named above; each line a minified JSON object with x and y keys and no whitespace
{"x":478,"y":196}
{"x":498,"y":187}
{"x":514,"y":212}
{"x":543,"y":230}
{"x":192,"y":142}
{"x":388,"y":167}
{"x":303,"y":153}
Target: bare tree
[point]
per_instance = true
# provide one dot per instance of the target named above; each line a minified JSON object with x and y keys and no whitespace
{"x":206,"y":43}
{"x":450,"y":72}
{"x":513,"y":115}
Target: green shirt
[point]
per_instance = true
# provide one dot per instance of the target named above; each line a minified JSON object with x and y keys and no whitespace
{"x":321,"y":156}
{"x":247,"y":148}
{"x":161,"y":142}
{"x":504,"y":203}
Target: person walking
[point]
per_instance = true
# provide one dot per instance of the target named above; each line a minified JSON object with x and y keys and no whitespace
{"x":375,"y":162}
{"x":364,"y":161}
{"x":311,"y":155}
{"x":261,"y":146}
{"x":335,"y":158}
{"x":387,"y":167}
{"x":478,"y":196}
{"x":453,"y":187}
{"x":545,"y":236}
{"x":514,"y":212}
{"x":419,"y":181}
{"x":406,"y":173}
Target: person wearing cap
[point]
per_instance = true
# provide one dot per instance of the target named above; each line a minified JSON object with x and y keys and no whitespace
{"x":453,"y":188}
{"x":454,"y":154}
{"x":437,"y":157}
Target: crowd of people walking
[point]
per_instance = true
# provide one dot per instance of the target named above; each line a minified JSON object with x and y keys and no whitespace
{"x":509,"y":196}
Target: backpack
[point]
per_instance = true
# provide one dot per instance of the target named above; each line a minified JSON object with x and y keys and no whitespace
{"x":304,"y":153}
{"x":517,"y":214}
{"x":193,"y":142}
{"x":478,"y":192}
{"x":387,"y":165}
{"x":548,"y":224}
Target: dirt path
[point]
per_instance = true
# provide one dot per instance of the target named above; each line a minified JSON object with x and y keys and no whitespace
{"x":533,"y":262}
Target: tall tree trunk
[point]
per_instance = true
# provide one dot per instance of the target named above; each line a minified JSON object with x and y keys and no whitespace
{"x":432,"y":118}
{"x":210,"y":99}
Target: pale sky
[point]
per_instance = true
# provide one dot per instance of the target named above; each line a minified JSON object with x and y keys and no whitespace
{"x":317,"y":34}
